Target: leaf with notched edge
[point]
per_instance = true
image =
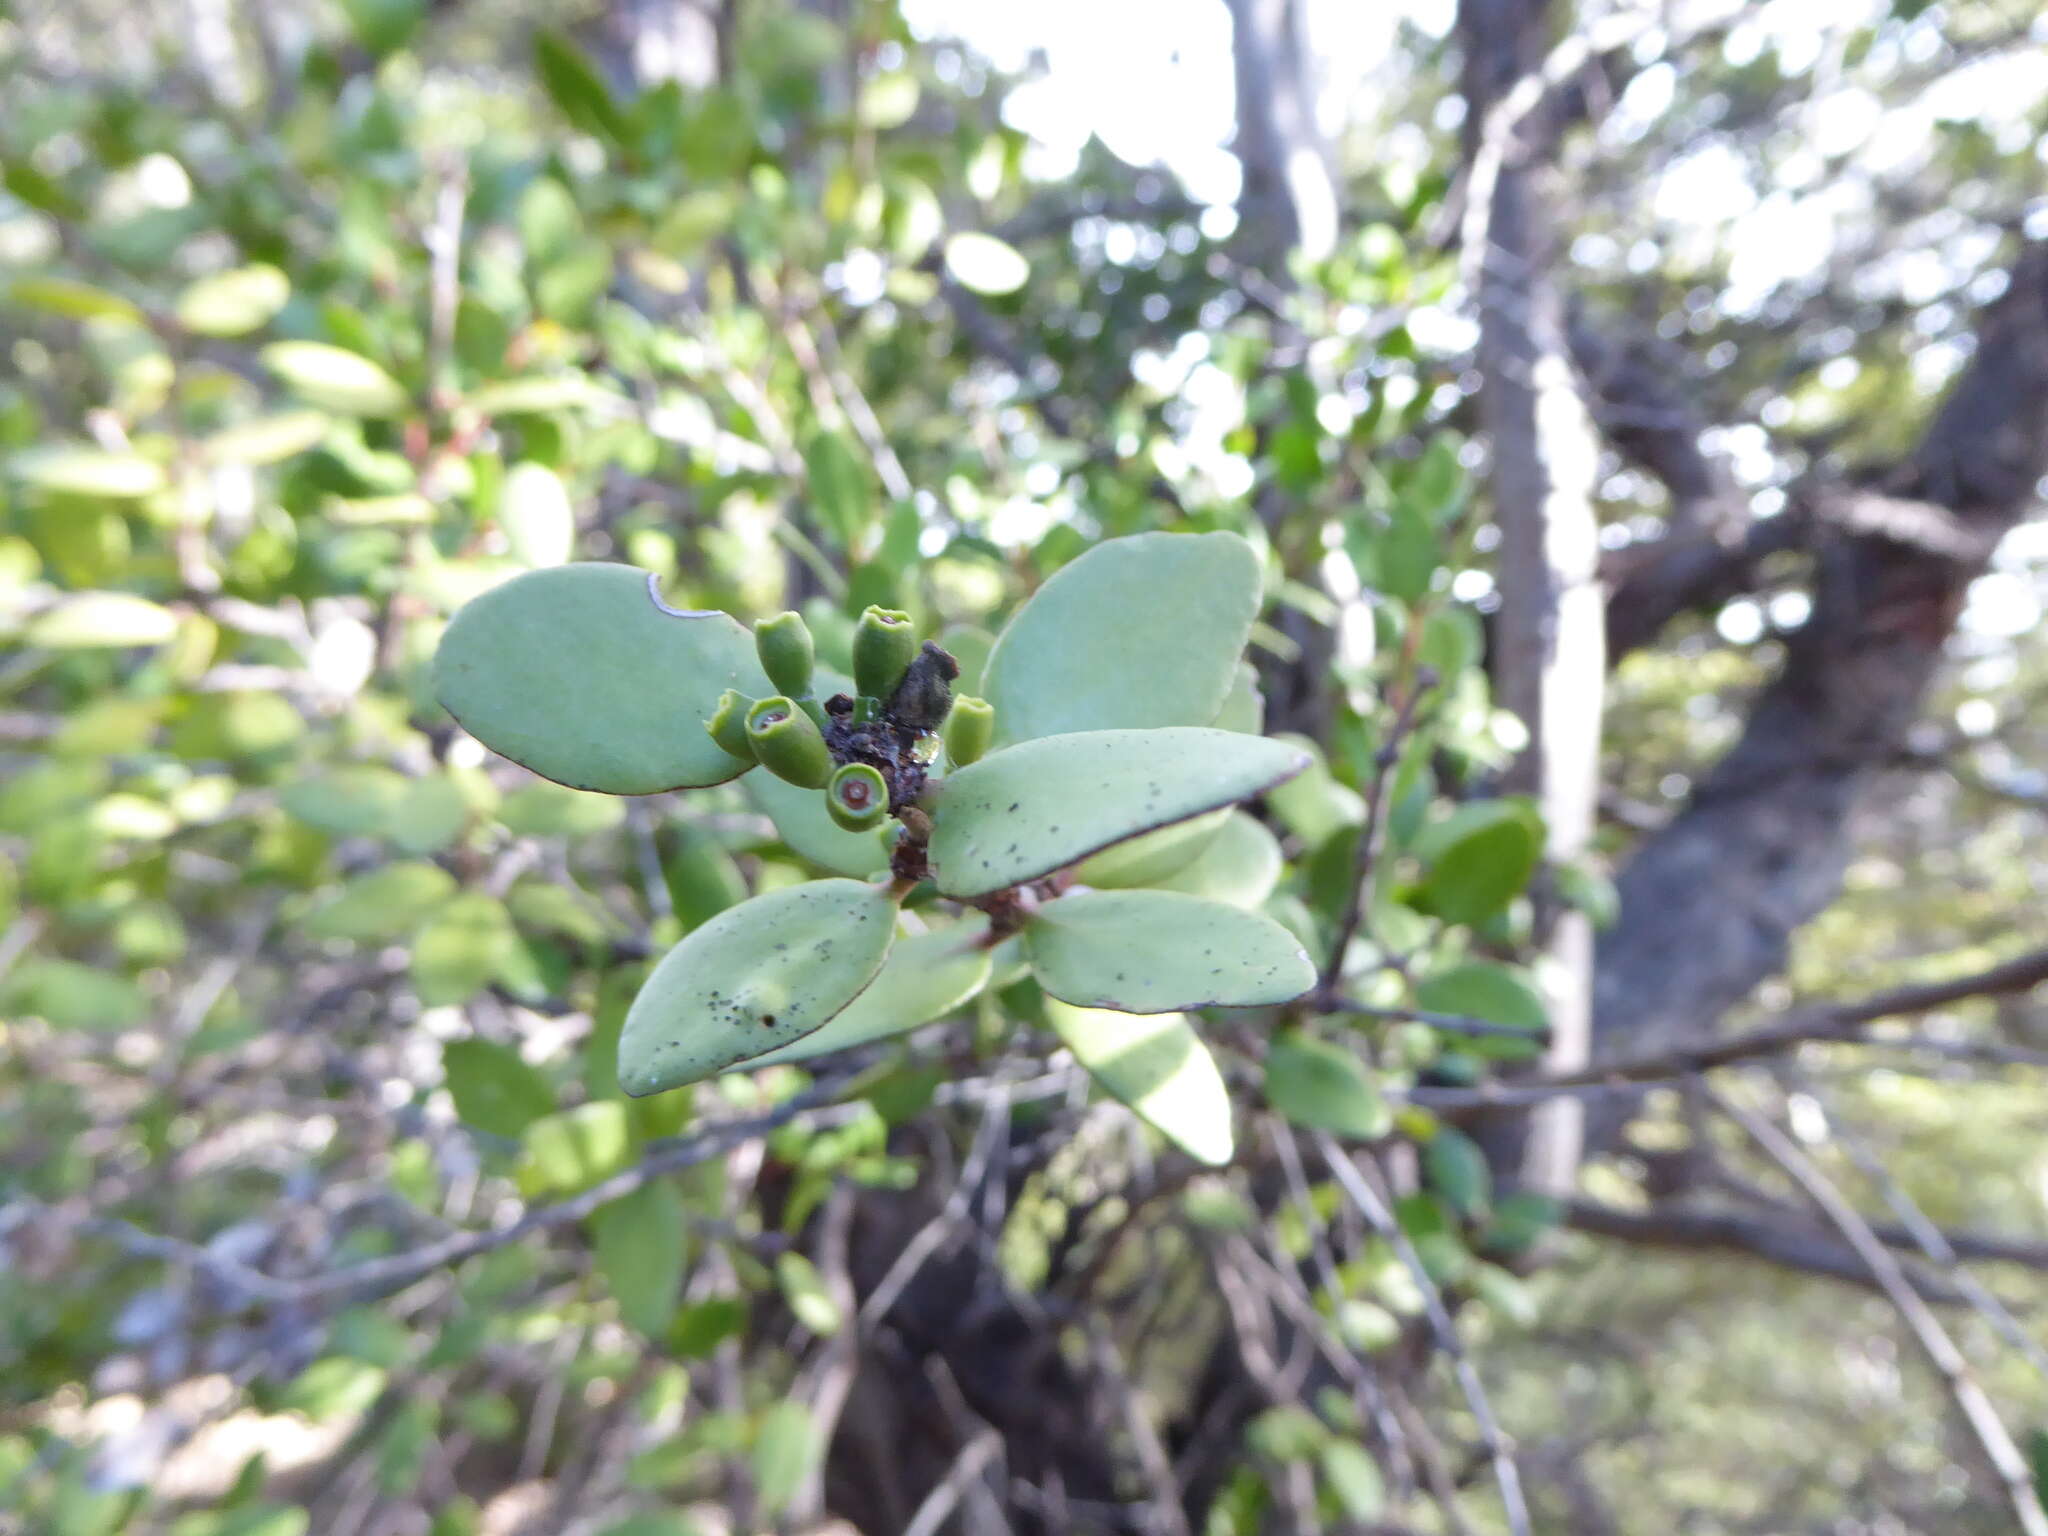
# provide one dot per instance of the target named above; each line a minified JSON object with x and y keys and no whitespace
{"x":582,"y":674}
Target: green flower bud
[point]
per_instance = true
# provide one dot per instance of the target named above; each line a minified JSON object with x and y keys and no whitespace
{"x":728,"y":724}
{"x":857,"y":797}
{"x":786,"y":651}
{"x":788,"y":742}
{"x":883,"y":646}
{"x":969,"y":729}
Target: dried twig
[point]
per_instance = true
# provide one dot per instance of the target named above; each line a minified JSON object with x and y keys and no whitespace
{"x":1934,"y":1341}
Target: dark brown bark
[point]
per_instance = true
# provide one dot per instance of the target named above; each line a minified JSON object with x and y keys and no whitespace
{"x":1709,"y":904}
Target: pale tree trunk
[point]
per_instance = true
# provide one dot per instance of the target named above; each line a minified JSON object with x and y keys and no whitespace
{"x":1289,"y":198}
{"x":1550,"y":661}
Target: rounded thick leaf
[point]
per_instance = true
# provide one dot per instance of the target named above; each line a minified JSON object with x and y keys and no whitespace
{"x":234,"y":303}
{"x":584,"y":675}
{"x":1241,"y":864}
{"x":1495,"y":993}
{"x":1141,"y":631}
{"x":927,"y":977}
{"x":1323,"y":1087}
{"x":335,"y":379}
{"x":1156,"y":1064}
{"x":89,"y":619}
{"x":1161,"y":952}
{"x":1151,"y":858}
{"x":985,"y":264}
{"x":534,"y":511}
{"x":267,"y":439}
{"x":1480,"y":857}
{"x":72,"y":299}
{"x":756,"y":977}
{"x":802,"y":822}
{"x":78,"y":471}
{"x":1026,"y":811}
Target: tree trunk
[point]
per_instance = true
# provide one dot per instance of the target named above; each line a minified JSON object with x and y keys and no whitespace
{"x":1709,"y":904}
{"x":1550,"y":664}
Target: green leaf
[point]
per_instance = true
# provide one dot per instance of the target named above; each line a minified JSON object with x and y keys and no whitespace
{"x":804,"y":1289}
{"x":551,"y":810}
{"x":1162,"y":952}
{"x":576,"y":88}
{"x":1320,"y":1086}
{"x":355,"y":800}
{"x":802,"y":822}
{"x":384,"y":26}
{"x":534,"y":511}
{"x":427,"y":816}
{"x":1480,"y":856}
{"x":926,"y":977}
{"x":1457,"y":1170}
{"x":754,"y":978}
{"x":93,"y":619}
{"x":385,"y":903}
{"x":494,"y":1088}
{"x":332,"y":1388}
{"x":460,"y":949}
{"x":1244,"y":707}
{"x":1496,"y":993}
{"x":335,"y":379}
{"x":1030,"y":809}
{"x":1353,"y":1476}
{"x":584,"y":675}
{"x":69,"y":995}
{"x":1150,"y":859}
{"x":72,"y":299}
{"x":1141,"y":631}
{"x":841,"y":492}
{"x":1518,"y":1220}
{"x":983,"y":264}
{"x":1241,"y":865}
{"x":571,"y":1151}
{"x":1156,"y":1064}
{"x":234,"y":303}
{"x":1314,"y":806}
{"x":540,"y":395}
{"x":641,"y":1246}
{"x":73,"y":470}
{"x":785,"y":1445}
{"x":267,"y":439}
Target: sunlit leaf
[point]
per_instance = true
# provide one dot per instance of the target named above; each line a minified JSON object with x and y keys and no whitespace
{"x":1141,"y":631}
{"x":1156,"y":1064}
{"x":983,"y":264}
{"x":494,"y":1088}
{"x":81,"y":471}
{"x":91,"y":619}
{"x":335,"y":379}
{"x":234,"y":303}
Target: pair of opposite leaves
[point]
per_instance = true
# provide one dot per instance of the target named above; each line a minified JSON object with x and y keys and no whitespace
{"x":1104,"y":685}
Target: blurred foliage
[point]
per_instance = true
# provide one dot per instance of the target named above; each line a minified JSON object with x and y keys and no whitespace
{"x":326,"y":319}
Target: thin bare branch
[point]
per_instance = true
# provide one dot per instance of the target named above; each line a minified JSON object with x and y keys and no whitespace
{"x":1984,"y":1424}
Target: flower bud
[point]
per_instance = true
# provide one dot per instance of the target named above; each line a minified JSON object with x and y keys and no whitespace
{"x":857,"y":797}
{"x":883,"y":645}
{"x":786,"y":651}
{"x":728,"y":724}
{"x":788,"y":742}
{"x":969,"y":729}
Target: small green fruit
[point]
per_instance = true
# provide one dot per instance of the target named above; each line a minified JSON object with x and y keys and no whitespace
{"x":787,"y":652}
{"x":883,"y":646}
{"x":969,"y":729}
{"x":857,"y":797}
{"x":728,"y":724}
{"x":788,"y":743}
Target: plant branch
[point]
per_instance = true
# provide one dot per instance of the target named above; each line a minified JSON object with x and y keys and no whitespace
{"x":1976,"y":1409}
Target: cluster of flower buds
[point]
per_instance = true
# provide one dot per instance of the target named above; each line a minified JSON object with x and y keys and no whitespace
{"x":902,"y":698}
